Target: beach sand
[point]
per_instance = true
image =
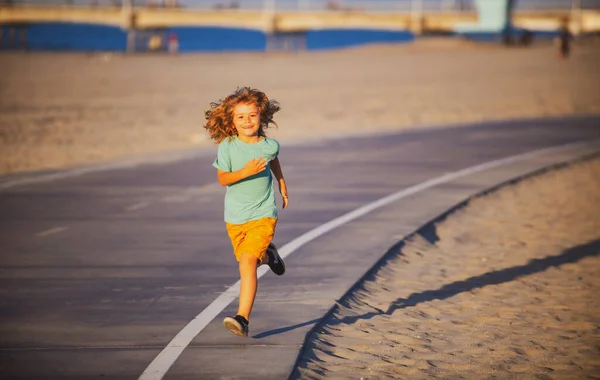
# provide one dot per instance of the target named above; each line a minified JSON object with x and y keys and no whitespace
{"x":510,"y":290}
{"x":65,"y":110}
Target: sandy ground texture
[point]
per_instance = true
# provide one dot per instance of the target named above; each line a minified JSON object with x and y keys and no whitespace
{"x":64,"y":110}
{"x":508,"y":289}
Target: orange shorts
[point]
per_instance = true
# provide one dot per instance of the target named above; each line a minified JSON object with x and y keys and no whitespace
{"x":251,"y":238}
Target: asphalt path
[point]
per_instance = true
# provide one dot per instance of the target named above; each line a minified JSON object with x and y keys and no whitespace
{"x":100,"y":271}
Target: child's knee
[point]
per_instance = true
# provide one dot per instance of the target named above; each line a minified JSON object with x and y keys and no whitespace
{"x":247,"y":260}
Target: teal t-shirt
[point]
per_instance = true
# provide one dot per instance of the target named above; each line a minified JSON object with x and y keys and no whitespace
{"x":251,"y":198}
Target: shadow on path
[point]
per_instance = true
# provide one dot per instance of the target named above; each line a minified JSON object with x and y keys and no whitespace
{"x":570,"y":255}
{"x":265,"y":334}
{"x":496,"y":277}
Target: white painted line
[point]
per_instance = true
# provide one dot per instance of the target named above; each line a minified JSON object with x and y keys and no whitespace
{"x":165,"y":359}
{"x":52,"y":231}
{"x":136,"y":206}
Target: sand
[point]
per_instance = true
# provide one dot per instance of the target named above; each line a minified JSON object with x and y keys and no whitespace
{"x":510,"y":290}
{"x":64,"y":110}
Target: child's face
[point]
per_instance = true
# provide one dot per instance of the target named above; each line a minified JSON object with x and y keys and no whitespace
{"x":246,"y":120}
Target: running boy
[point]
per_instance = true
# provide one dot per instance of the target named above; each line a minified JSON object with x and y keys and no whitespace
{"x":245,"y":159}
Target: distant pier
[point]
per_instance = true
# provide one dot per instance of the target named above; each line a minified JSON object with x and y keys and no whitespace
{"x":585,"y":21}
{"x":129,"y":27}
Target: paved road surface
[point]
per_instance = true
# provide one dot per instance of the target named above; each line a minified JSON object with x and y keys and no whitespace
{"x":100,"y":271}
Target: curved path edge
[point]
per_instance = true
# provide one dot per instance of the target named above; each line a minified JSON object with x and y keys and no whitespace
{"x":394,"y":250}
{"x":11,"y":180}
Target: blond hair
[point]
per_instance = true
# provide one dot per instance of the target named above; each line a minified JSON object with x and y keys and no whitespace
{"x":220,"y":115}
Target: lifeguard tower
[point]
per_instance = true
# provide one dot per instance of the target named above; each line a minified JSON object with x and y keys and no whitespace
{"x":494,"y":22}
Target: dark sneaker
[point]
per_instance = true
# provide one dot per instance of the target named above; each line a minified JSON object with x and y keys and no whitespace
{"x":237,"y":325}
{"x":275,"y":262}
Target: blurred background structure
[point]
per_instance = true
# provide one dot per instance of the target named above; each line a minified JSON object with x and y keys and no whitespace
{"x":316,"y":5}
{"x":258,"y":25}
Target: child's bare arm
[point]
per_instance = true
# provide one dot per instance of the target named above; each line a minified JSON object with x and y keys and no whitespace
{"x":278,"y":173}
{"x":254,"y":166}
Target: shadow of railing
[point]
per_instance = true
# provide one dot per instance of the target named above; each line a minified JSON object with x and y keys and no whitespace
{"x":496,"y":277}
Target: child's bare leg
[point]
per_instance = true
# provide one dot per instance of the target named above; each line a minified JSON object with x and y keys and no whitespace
{"x":248,"y":265}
